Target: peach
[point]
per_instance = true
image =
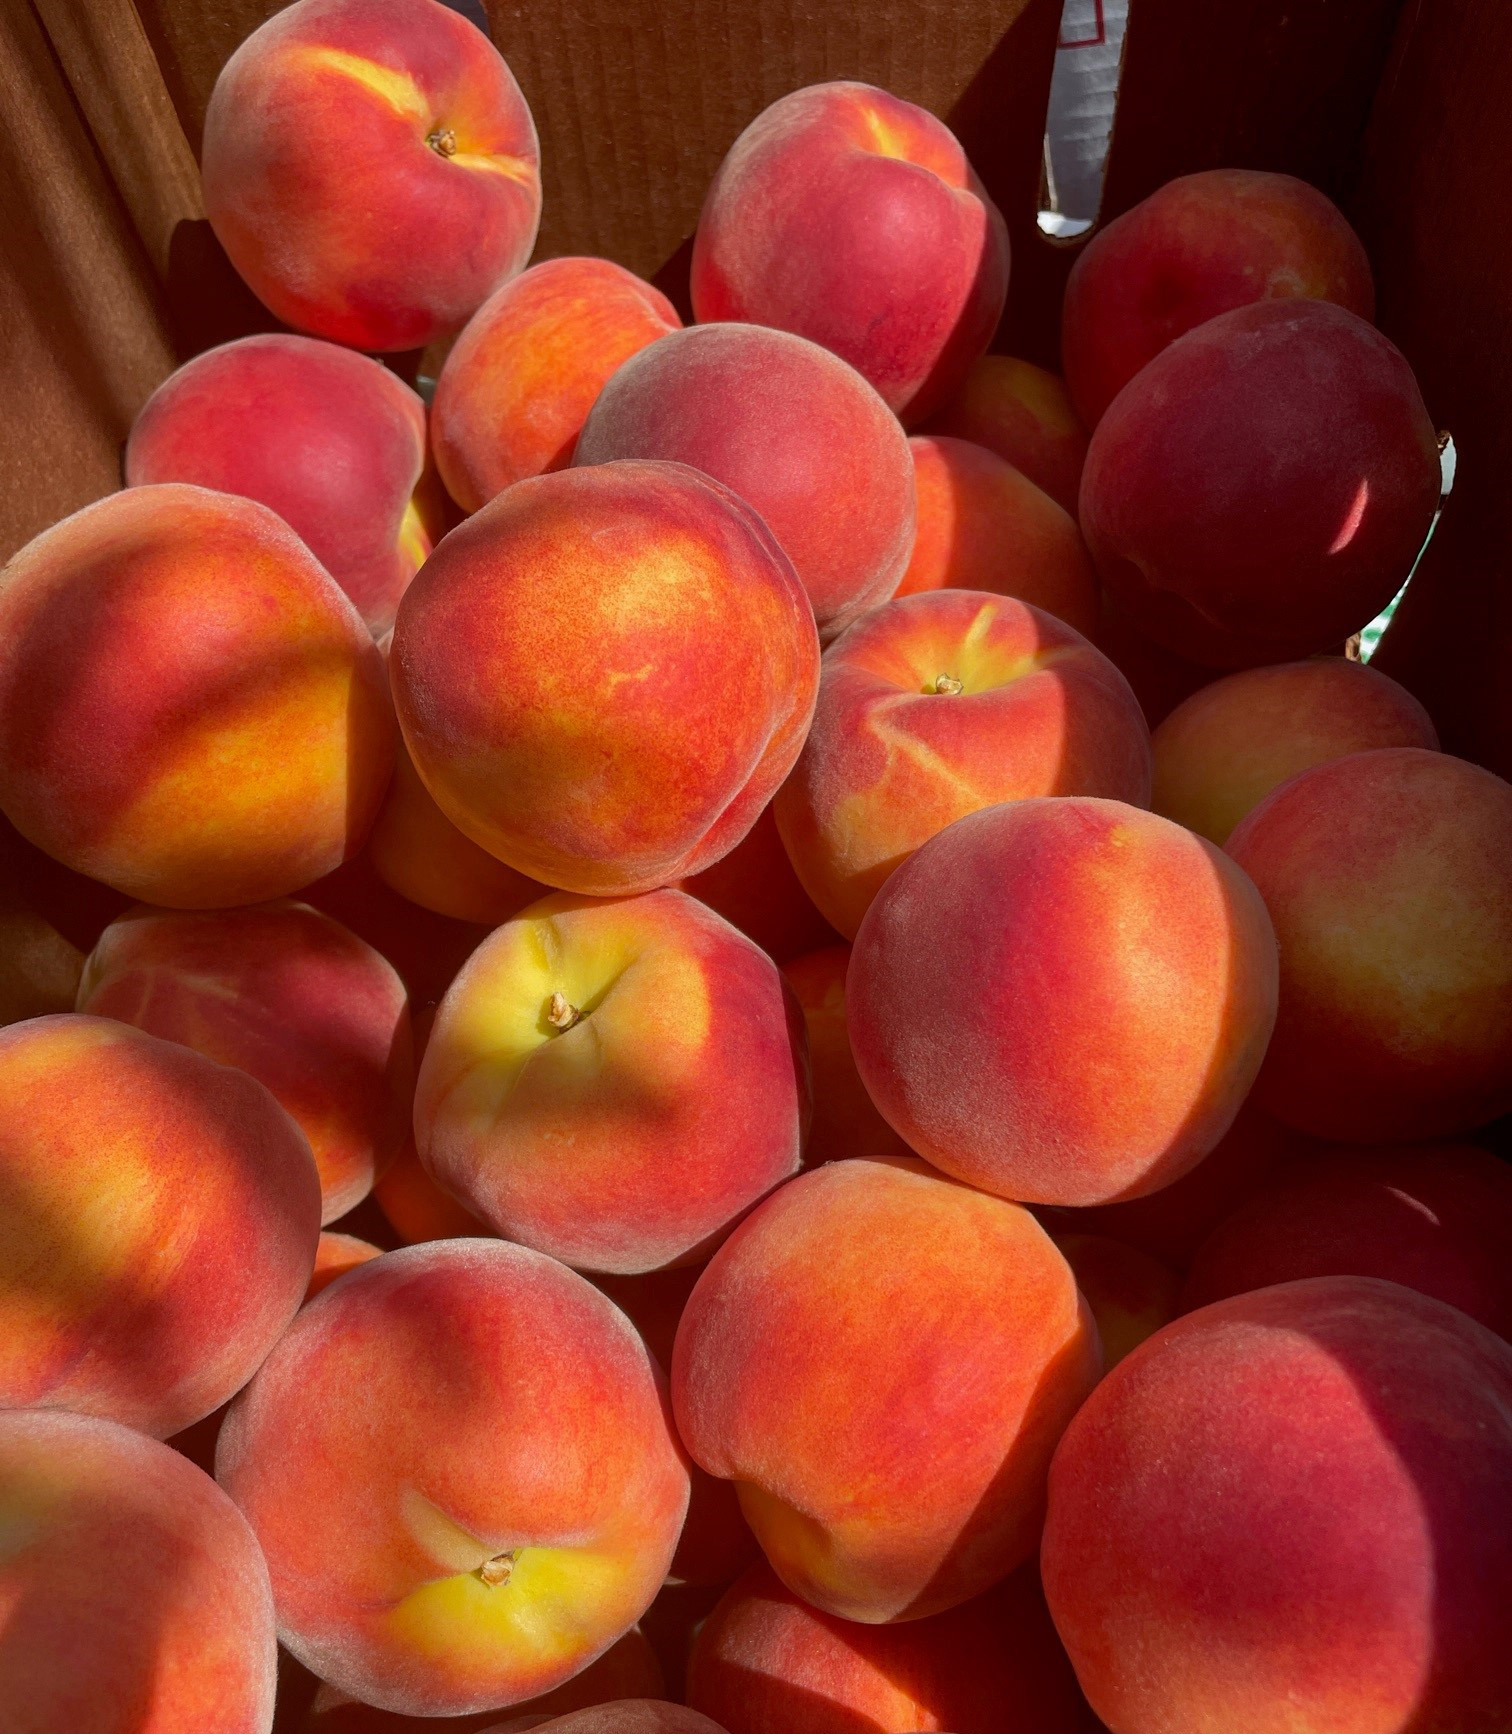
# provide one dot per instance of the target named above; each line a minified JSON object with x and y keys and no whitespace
{"x":604,"y":674}
{"x":755,"y":889}
{"x":882,"y":1361}
{"x":1288,"y":1511}
{"x":1261,"y":490}
{"x":614,"y":1082}
{"x":335,"y":1256}
{"x":287,"y":995}
{"x":765,"y":1662}
{"x":845,"y":1121}
{"x":853,"y":218}
{"x":1063,"y":1001}
{"x":372,"y":170}
{"x":1025,"y":415}
{"x":160,"y":1220}
{"x":459,"y":1464}
{"x":136,"y":1601}
{"x":519,"y":381}
{"x":1131,"y":1294}
{"x":797,"y":433}
{"x":934,"y":707}
{"x":628,"y":1716}
{"x":330,"y":440}
{"x":1222,"y":751}
{"x":1199,"y":246}
{"x":983,"y":525}
{"x":417,"y":1209}
{"x":190,"y":709}
{"x":1385,"y":874}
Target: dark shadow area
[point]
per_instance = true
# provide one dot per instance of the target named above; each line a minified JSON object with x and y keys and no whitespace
{"x":208,"y":303}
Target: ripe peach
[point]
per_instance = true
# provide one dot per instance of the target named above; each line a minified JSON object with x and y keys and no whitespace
{"x":1199,"y":246}
{"x":460,"y":1467}
{"x":882,"y":1361}
{"x":755,"y":889}
{"x":1024,"y":414}
{"x":371,"y":168}
{"x":604,"y":674}
{"x":331,"y":441}
{"x":136,"y":1601}
{"x":793,"y":430}
{"x":614,"y":1082}
{"x":190,"y":709}
{"x":160,"y":1220}
{"x":1262,"y":488}
{"x":287,"y":995}
{"x":1385,"y":874}
{"x":936,"y":706}
{"x":1289,"y":1511}
{"x":1131,"y":1294}
{"x":1063,"y":1001}
{"x":335,"y":1256}
{"x":519,"y":381}
{"x":853,"y":218}
{"x":1222,"y":751}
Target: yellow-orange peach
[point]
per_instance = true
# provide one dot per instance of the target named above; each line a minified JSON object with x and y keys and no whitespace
{"x":1131,"y":1294}
{"x":755,"y":889}
{"x":371,"y":168}
{"x":459,"y":1464}
{"x":190,"y":708}
{"x":1025,"y":415}
{"x":136,"y":1601}
{"x":335,"y":1256}
{"x":604,"y":674}
{"x":882,"y":1360}
{"x":936,"y":706}
{"x":520,"y":379}
{"x":614,"y":1082}
{"x":159,"y":1223}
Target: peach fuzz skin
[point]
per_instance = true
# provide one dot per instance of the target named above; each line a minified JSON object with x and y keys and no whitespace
{"x":936,"y":706}
{"x":1287,"y":1511}
{"x":1131,"y":1294}
{"x":764,"y":1662}
{"x":217,"y":726}
{"x":136,"y":1601}
{"x":800,"y":436}
{"x":882,"y":1361}
{"x":1385,"y":874}
{"x":1199,"y":246}
{"x":853,"y":218}
{"x":521,"y":378}
{"x":1063,"y":1001}
{"x":330,"y":440}
{"x":287,"y":995}
{"x":372,"y":170}
{"x":1223,"y":750}
{"x":1025,"y":415}
{"x":159,"y":1225}
{"x":614,"y":1082}
{"x":459,"y":1464}
{"x":604,"y":674}
{"x":983,"y":525}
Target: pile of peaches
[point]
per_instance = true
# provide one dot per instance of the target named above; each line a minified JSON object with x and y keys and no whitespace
{"x":682,"y":1122}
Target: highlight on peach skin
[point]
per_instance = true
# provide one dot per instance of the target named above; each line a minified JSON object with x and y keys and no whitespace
{"x":1024,"y":414}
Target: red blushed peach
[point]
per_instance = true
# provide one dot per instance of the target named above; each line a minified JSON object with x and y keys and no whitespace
{"x":190,"y":709}
{"x":934,"y":707}
{"x":755,"y":889}
{"x":1289,"y":1511}
{"x":460,"y":1466}
{"x":371,"y":168}
{"x":136,"y":1601}
{"x":1385,"y":874}
{"x":160,"y":1218}
{"x":330,"y":440}
{"x":603,"y":675}
{"x":519,"y":381}
{"x":882,"y":1361}
{"x":853,"y":218}
{"x":1218,"y":755}
{"x":1261,"y":490}
{"x":845,"y":1122}
{"x":1199,"y":246}
{"x":287,"y":995}
{"x":614,"y":1082}
{"x":335,"y":1256}
{"x":765,"y":1662}
{"x":983,"y":525}
{"x":793,"y":430}
{"x":1024,"y":414}
{"x":1131,"y":1294}
{"x":1063,"y":1001}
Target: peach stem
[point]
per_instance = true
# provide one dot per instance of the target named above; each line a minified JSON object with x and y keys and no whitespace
{"x":496,"y":1571}
{"x":443,"y":141}
{"x":560,"y":1014}
{"x":947,"y":683}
